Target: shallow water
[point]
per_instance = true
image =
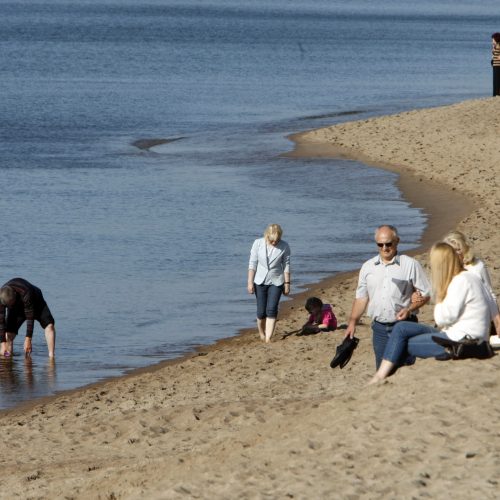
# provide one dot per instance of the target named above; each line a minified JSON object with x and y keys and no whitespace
{"x":142,"y":253}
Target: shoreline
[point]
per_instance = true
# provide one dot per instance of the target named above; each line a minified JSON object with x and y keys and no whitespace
{"x":439,"y":221}
{"x":444,"y":207}
{"x":240,"y":418}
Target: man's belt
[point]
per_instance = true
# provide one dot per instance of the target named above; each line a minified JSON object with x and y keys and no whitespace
{"x":384,"y":323}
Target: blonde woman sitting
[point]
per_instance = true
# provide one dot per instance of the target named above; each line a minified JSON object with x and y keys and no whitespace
{"x":473,"y":264}
{"x":464,"y":308}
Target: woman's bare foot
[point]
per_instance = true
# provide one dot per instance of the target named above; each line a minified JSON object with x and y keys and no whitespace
{"x":375,"y":380}
{"x":385,"y":369}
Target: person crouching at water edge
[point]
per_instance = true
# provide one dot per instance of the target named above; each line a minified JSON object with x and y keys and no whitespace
{"x":23,"y":301}
{"x":464,"y":309}
{"x":269,"y":277}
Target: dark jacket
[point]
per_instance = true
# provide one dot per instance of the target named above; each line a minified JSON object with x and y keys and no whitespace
{"x":28,"y":297}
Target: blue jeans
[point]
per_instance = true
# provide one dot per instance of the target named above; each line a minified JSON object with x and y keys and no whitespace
{"x":268,"y":297}
{"x":380,"y":337}
{"x":381,"y":332}
{"x":414,"y":339}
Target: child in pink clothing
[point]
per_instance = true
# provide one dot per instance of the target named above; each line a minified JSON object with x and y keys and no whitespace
{"x":321,"y":319}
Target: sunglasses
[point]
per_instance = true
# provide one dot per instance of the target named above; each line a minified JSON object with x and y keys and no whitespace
{"x":388,"y":244}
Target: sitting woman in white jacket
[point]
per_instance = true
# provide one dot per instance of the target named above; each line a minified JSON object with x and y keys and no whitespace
{"x":464,"y":308}
{"x":473,"y":264}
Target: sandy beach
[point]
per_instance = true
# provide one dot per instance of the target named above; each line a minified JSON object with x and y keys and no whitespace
{"x":241,"y":419}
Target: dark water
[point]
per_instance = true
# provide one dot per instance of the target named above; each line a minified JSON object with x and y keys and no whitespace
{"x":142,"y":252}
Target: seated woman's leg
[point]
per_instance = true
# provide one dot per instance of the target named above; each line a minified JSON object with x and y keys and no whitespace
{"x":424,"y":347}
{"x":403,"y":331}
{"x":397,"y":346}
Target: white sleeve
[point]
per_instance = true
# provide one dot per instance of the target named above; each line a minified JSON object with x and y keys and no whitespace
{"x":449,"y":310}
{"x":362,"y":289}
{"x":492,"y":303}
{"x":252,"y":264}
{"x":421,"y":283}
{"x":286,"y":259}
{"x":485,"y":278}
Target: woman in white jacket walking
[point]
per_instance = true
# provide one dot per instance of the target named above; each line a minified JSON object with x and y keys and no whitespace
{"x":269,"y":277}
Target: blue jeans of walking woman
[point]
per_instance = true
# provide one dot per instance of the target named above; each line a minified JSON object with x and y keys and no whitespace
{"x":414,"y":339}
{"x":268,"y":297}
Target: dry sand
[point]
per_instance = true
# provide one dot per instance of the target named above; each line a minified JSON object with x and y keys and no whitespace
{"x":245,"y":420}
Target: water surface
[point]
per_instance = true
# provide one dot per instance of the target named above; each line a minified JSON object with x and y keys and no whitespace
{"x":142,"y":251}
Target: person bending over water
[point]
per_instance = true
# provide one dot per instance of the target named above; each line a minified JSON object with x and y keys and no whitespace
{"x":464,"y":308}
{"x":24,"y":302}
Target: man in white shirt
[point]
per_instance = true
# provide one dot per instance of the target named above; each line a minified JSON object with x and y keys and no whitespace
{"x":386,"y":284}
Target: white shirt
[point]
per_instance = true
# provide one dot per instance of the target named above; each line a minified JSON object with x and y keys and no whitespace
{"x":272,"y":253}
{"x":467,"y":309}
{"x":479,"y":269}
{"x":389,"y":286}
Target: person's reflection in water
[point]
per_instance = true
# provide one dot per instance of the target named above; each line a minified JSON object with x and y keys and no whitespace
{"x":9,"y":380}
{"x":51,"y":373}
{"x":23,"y":378}
{"x":28,"y":372}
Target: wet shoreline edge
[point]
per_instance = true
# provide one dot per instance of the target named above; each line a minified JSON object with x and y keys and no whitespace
{"x":443,"y":207}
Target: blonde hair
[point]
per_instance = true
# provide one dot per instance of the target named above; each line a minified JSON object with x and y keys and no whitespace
{"x":459,"y":242}
{"x":273,"y":232}
{"x":445,"y":265}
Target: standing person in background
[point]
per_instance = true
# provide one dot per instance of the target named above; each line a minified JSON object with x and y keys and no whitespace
{"x":459,"y":243}
{"x":495,"y":62}
{"x":386,"y":284}
{"x":24,"y":302}
{"x":269,"y":277}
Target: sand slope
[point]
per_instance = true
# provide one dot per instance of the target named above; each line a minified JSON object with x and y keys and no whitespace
{"x":245,"y":420}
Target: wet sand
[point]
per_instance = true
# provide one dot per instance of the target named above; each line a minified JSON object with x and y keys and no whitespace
{"x":241,"y":419}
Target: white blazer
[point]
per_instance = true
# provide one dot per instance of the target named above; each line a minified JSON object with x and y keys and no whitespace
{"x":271,"y":270}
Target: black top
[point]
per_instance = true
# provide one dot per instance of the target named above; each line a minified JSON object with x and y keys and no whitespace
{"x":27,"y":297}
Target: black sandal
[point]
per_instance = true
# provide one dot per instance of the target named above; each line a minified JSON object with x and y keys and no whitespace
{"x":344,"y":352}
{"x":468,"y":347}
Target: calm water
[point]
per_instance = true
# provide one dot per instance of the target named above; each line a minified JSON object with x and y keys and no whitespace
{"x":142,"y":253}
